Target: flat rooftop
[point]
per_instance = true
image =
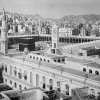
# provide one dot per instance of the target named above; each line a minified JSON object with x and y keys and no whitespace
{"x":62,"y":68}
{"x":43,"y":53}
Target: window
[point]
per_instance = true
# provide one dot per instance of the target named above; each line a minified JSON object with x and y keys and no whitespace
{"x":20,"y":74}
{"x":37,"y":80}
{"x":2,"y":66}
{"x":30,"y":56}
{"x":15,"y":85}
{"x":44,"y":60}
{"x":11,"y":70}
{"x":54,"y":45}
{"x":90,"y":71}
{"x":48,"y":60}
{"x":40,"y":59}
{"x":96,"y":73}
{"x":54,"y":60}
{"x":20,"y":87}
{"x":37,"y":58}
{"x":10,"y":82}
{"x":25,"y":88}
{"x":50,"y":81}
{"x":15,"y":71}
{"x":25,"y":75}
{"x":31,"y":77}
{"x":63,"y":60}
{"x":92,"y":91}
{"x":33,"y":57}
{"x":58,"y":60}
{"x":5,"y":80}
{"x":67,"y":89}
{"x":43,"y":80}
{"x":5,"y":68}
{"x":84,"y":69}
{"x":58,"y":84}
{"x":50,"y":84}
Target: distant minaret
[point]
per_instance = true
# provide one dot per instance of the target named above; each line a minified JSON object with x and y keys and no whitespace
{"x":55,"y":38}
{"x":14,"y":22}
{"x":39,"y":27}
{"x":4,"y":41}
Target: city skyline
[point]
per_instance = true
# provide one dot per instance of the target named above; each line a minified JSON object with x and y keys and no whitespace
{"x":52,"y":8}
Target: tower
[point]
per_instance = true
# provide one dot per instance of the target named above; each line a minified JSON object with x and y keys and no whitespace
{"x":55,"y":38}
{"x":39,"y":27}
{"x":14,"y":22}
{"x":4,"y":41}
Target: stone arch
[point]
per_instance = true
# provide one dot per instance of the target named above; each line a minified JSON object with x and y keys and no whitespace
{"x":92,"y":91}
{"x":67,"y":89}
{"x":96,"y":72}
{"x":84,"y":69}
{"x":90,"y":71}
{"x":37,"y":80}
{"x":44,"y":82}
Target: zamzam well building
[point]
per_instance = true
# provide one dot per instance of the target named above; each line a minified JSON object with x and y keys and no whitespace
{"x":48,"y":69}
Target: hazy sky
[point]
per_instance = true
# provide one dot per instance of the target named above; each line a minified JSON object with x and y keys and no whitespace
{"x":52,"y":8}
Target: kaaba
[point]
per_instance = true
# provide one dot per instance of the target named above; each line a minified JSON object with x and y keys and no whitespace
{"x":27,"y":40}
{"x":27,"y":43}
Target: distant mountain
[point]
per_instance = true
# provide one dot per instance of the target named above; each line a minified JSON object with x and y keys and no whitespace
{"x":68,"y":19}
{"x":79,"y":18}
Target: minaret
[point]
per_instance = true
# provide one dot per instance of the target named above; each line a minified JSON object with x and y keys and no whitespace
{"x":39,"y":27}
{"x":14,"y":21}
{"x":55,"y":38}
{"x":4,"y":41}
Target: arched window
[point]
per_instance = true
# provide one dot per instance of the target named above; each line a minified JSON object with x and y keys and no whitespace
{"x":90,"y":71}
{"x":67,"y":89}
{"x":37,"y":80}
{"x":44,"y":59}
{"x":15,"y":71}
{"x":58,"y":84}
{"x":84,"y":69}
{"x":30,"y":56}
{"x":25,"y":75}
{"x":5,"y":68}
{"x":63,"y":60}
{"x":2,"y":66}
{"x":58,"y":60}
{"x":10,"y":82}
{"x":43,"y":80}
{"x":20,"y":74}
{"x":11,"y":67}
{"x":54,"y":45}
{"x":48,"y":60}
{"x":31,"y":77}
{"x":92,"y":91}
{"x":20,"y":87}
{"x":50,"y":84}
{"x":33,"y":57}
{"x":25,"y":88}
{"x":96,"y":73}
{"x":40,"y":59}
{"x":15,"y":85}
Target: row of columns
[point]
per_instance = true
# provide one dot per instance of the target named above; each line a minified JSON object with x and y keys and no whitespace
{"x":41,"y":38}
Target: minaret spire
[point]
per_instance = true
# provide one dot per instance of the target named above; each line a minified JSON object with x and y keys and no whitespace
{"x":4,"y":42}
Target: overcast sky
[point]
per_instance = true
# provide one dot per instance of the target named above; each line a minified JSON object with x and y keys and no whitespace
{"x":52,"y":8}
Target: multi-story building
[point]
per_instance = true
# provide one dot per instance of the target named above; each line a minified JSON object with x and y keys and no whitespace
{"x":65,"y":32}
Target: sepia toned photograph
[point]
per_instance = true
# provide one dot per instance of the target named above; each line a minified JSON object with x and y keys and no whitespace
{"x":49,"y":49}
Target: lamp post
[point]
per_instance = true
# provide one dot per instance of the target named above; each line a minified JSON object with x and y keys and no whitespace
{"x":86,"y":76}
